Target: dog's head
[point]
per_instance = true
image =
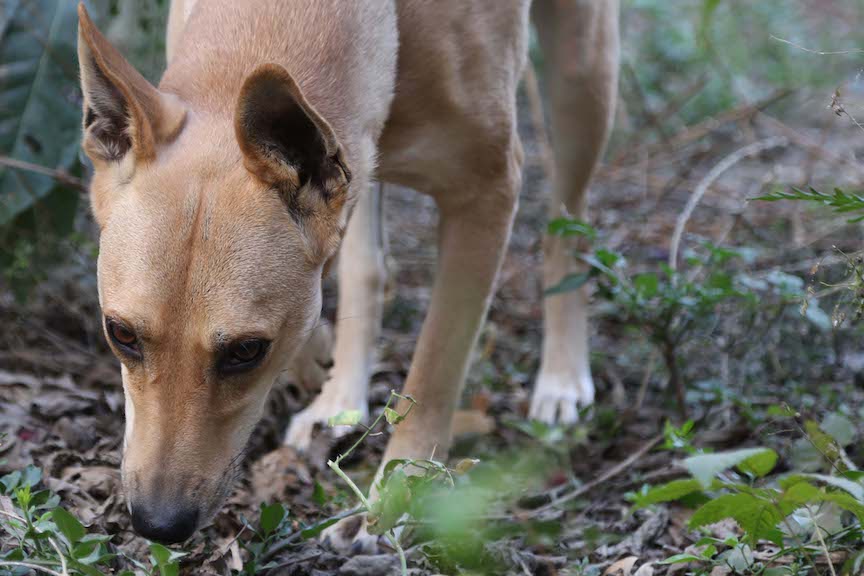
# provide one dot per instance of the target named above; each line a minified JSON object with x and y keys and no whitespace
{"x":214,"y":234}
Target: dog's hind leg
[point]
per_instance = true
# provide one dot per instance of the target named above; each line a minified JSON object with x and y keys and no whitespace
{"x":580,"y":45}
{"x":358,"y":323}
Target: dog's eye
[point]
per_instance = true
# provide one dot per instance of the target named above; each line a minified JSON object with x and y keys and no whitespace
{"x":123,"y":337}
{"x":243,"y":355}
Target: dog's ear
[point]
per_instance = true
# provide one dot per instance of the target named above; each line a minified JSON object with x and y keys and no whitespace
{"x":123,"y":112}
{"x":286,"y":144}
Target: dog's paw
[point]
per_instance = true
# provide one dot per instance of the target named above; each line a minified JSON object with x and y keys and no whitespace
{"x":326,"y":405}
{"x":310,"y":366}
{"x":351,"y":537}
{"x":558,"y":397}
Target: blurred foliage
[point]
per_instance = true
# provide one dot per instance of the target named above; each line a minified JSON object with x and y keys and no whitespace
{"x":689,"y":59}
{"x":40,"y":119}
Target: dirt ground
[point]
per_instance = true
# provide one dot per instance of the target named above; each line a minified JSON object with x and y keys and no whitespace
{"x":61,"y":402}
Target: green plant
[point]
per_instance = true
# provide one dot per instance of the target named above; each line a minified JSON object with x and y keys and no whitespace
{"x":851,"y":283}
{"x":839,"y":201}
{"x":669,"y":306}
{"x":783,"y":510}
{"x":679,"y":438}
{"x":48,"y":539}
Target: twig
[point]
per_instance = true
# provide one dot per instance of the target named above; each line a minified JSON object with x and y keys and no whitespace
{"x":59,"y":555}
{"x":227,"y":547}
{"x":59,"y":175}
{"x":817,"y":148}
{"x":50,"y":540}
{"x":283,"y":544}
{"x":819,"y":52}
{"x":294,"y":561}
{"x":699,"y":130}
{"x":605,"y":477}
{"x":646,"y":379}
{"x":13,"y":516}
{"x":705,"y":183}
{"x":822,"y":542}
{"x":839,"y":109}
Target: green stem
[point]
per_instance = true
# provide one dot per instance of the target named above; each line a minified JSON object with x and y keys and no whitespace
{"x":403,"y":562}
{"x":334,"y":465}
{"x":359,"y":493}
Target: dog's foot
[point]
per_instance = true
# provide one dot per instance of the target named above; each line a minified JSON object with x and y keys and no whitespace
{"x":350,"y":537}
{"x":326,"y":405}
{"x":312,"y":362}
{"x":557,"y":397}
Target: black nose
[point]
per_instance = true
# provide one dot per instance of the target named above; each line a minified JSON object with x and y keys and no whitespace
{"x":166,"y":524}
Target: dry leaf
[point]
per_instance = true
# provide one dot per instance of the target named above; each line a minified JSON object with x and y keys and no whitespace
{"x":623,"y":567}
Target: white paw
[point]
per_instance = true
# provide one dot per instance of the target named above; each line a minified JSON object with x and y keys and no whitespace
{"x":327,"y":404}
{"x":557,"y":397}
{"x":350,"y":536}
{"x":309,"y":367}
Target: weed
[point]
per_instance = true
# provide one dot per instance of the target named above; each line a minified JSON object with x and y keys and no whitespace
{"x":803,"y":514}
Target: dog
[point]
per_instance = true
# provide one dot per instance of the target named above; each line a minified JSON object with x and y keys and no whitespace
{"x":222,"y":195}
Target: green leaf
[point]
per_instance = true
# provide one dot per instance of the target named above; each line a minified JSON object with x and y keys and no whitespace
{"x":824,"y":444}
{"x":839,"y":201}
{"x":345,"y":418}
{"x":570,"y":227}
{"x":569,"y":283}
{"x":607,"y":258}
{"x":846,"y":502}
{"x":392,"y":416}
{"x":10,"y":481}
{"x":316,"y":529}
{"x":704,"y":467}
{"x":757,"y":517}
{"x":319,"y":496}
{"x":854,"y":564}
{"x":760,"y":464}
{"x":797,"y":495}
{"x":646,"y":285}
{"x":37,"y":48}
{"x":84,"y":568}
{"x":31,"y":477}
{"x":839,"y":427}
{"x":68,"y":525}
{"x":681,"y":559}
{"x":271,"y":517}
{"x":393,"y":501}
{"x":668,"y":492}
{"x":855,"y":489}
{"x":165,"y":559}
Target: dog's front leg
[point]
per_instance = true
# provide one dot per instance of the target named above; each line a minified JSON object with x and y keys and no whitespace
{"x":473,"y":233}
{"x":361,"y":281}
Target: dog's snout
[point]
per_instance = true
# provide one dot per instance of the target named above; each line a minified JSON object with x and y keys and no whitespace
{"x":166,"y":524}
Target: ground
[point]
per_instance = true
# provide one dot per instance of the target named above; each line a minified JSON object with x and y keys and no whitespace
{"x":565,"y":504}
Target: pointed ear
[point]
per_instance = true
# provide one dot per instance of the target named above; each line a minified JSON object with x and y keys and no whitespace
{"x":122,"y":111}
{"x":289,"y":146}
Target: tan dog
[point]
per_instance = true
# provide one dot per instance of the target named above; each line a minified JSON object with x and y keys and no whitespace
{"x":222,"y":194}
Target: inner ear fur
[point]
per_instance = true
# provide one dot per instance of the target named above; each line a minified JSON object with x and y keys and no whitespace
{"x":287,"y":145}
